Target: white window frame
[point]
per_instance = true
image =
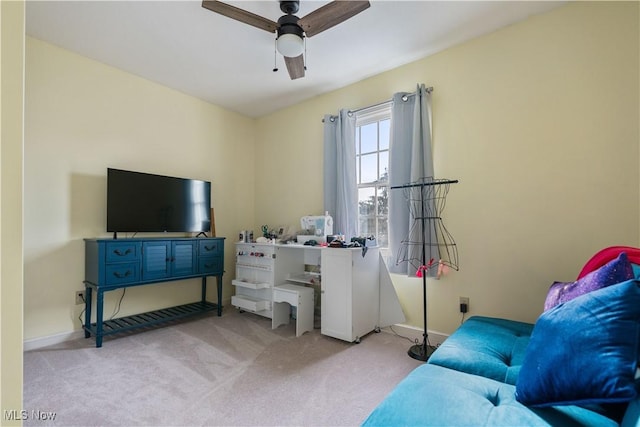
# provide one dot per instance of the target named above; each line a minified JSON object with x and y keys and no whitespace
{"x":365,"y":117}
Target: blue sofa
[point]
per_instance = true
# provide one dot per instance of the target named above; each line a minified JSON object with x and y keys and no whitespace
{"x":577,"y":366}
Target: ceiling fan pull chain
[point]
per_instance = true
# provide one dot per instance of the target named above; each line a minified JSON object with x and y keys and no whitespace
{"x":304,"y":58}
{"x":275,"y":55}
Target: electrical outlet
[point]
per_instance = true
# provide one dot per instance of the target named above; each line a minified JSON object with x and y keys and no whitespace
{"x":464,"y":302}
{"x":79,"y":297}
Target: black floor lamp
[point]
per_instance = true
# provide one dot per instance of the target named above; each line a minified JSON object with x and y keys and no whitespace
{"x":429,"y":247}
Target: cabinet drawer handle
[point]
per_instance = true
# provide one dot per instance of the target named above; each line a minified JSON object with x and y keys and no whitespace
{"x":208,"y":265}
{"x":209,"y":248}
{"x":117,"y":252}
{"x":122,"y":276}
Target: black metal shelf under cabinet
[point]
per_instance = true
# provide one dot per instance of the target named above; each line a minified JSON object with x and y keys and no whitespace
{"x":112,"y":264}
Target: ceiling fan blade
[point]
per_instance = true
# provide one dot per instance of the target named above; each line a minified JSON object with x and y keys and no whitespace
{"x":240,"y":15}
{"x":330,"y":15}
{"x":295,"y":66}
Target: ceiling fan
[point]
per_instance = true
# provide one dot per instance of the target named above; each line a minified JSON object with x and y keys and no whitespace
{"x":290,"y":29}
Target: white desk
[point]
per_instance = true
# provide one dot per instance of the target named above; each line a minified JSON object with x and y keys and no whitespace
{"x":350,"y":287}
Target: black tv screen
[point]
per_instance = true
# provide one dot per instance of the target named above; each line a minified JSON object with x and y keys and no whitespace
{"x":142,"y":202}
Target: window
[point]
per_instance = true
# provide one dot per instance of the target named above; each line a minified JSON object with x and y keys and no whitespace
{"x":372,"y":164}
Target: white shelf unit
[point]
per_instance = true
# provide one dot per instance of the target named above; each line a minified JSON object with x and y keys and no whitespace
{"x":259,"y":268}
{"x":254,"y":279}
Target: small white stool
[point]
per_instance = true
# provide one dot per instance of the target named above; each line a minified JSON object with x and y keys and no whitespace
{"x":297,"y":296}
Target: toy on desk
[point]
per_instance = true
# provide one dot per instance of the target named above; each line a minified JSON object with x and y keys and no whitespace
{"x":337,"y":244}
{"x":265,"y":240}
{"x":364,"y":242}
{"x":271,"y":234}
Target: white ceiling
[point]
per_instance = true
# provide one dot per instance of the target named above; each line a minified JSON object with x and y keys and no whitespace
{"x":181,"y":45}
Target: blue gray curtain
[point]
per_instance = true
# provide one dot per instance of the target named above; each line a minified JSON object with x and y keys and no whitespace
{"x":410,"y":160}
{"x":340,"y":186}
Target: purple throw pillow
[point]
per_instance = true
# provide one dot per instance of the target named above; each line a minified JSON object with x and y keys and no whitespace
{"x":615,"y":271}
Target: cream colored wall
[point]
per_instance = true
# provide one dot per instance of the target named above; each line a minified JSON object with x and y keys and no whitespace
{"x":12,"y":24}
{"x":540,"y":123}
{"x":82,"y":117}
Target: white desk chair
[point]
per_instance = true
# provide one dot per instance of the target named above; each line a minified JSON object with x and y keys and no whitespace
{"x":301,"y":297}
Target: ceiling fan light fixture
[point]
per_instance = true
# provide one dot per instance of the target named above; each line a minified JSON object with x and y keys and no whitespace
{"x":290,"y":45}
{"x":290,"y":41}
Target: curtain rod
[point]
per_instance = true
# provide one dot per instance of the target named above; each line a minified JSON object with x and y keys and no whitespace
{"x":379,"y":104}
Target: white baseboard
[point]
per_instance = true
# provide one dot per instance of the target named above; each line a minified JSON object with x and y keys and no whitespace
{"x":435,"y":338}
{"x":36,"y":343}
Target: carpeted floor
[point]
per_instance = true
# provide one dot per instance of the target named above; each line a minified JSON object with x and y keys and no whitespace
{"x":231,"y":370}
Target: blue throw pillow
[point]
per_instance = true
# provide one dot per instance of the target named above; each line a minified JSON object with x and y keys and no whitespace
{"x":584,"y":351}
{"x":615,"y":271}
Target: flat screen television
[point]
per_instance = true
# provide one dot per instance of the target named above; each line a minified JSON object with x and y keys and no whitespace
{"x":143,"y":202}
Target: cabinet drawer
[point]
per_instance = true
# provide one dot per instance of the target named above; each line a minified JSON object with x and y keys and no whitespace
{"x":209,"y":247}
{"x":117,"y":274}
{"x":211,"y":265}
{"x":248,"y":303}
{"x":122,"y":251}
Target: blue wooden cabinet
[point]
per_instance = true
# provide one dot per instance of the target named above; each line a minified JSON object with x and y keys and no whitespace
{"x":112,"y":264}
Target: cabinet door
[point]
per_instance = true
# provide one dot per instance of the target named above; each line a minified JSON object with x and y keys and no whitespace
{"x":156,"y":259}
{"x":336,"y":295}
{"x":183,"y":258}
